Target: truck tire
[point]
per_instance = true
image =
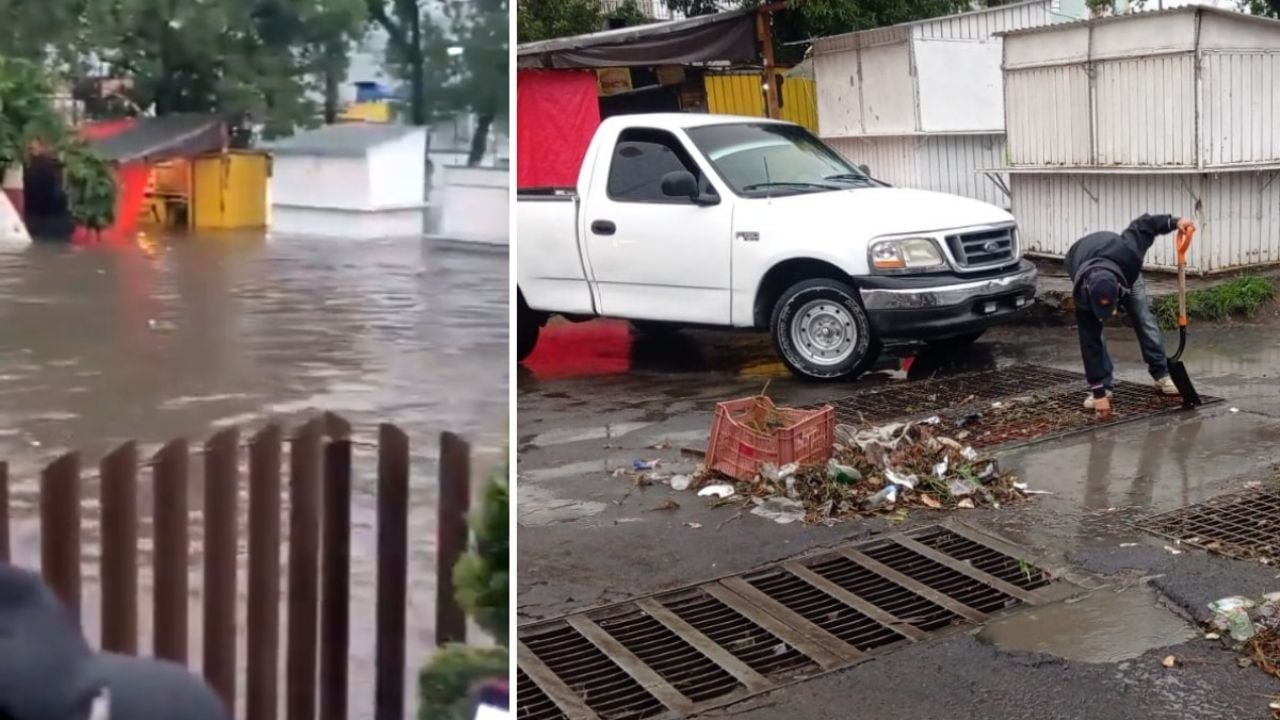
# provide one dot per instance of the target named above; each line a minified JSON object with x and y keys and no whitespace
{"x":528,"y":327}
{"x":821,"y":331}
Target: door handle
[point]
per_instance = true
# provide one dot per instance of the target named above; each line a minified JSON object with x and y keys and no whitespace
{"x":603,"y":227}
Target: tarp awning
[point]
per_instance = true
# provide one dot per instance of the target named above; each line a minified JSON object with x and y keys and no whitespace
{"x":723,"y":37}
{"x":157,"y":139}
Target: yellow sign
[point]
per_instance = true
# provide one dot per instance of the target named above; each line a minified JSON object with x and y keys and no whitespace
{"x":612,"y":81}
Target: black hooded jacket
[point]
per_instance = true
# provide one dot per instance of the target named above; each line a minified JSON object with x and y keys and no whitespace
{"x":1121,"y":254}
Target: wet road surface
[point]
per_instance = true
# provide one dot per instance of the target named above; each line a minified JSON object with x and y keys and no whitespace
{"x":588,"y":538}
{"x":178,"y":338}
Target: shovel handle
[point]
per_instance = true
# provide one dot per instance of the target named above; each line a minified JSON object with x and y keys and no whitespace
{"x":1183,"y":245}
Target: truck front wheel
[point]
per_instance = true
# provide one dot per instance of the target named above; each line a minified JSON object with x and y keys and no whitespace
{"x":528,"y":327}
{"x":821,"y":331}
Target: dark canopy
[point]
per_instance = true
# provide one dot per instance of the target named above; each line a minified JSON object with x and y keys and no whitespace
{"x":157,"y":139}
{"x":723,"y":37}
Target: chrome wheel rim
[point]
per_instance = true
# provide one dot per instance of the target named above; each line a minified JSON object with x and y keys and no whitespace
{"x":824,"y":332}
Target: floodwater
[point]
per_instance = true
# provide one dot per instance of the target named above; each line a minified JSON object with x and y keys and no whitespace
{"x":179,"y":337}
{"x":1106,"y":626}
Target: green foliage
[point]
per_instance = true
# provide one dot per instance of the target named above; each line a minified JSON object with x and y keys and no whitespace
{"x":629,"y":14}
{"x":1261,"y":8}
{"x":547,"y":19}
{"x":482,"y":575}
{"x":1241,"y":297}
{"x":445,"y":683}
{"x":26,"y":115}
{"x":690,"y":8}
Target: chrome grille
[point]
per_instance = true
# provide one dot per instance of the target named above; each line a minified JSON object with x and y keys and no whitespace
{"x":984,"y":248}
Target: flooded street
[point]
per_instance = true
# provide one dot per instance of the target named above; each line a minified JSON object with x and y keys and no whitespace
{"x":179,"y":337}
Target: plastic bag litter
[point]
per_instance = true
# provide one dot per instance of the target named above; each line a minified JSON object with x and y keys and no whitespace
{"x":1232,"y":615}
{"x":896,"y":478}
{"x":645,"y":464}
{"x":940,"y":469}
{"x":681,"y":482}
{"x":887,"y":496}
{"x":776,"y":474}
{"x":717,"y":491}
{"x":961,"y":487}
{"x":843,"y":474}
{"x":779,"y":509}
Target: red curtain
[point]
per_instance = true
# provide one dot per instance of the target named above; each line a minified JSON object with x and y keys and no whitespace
{"x":559,"y":111}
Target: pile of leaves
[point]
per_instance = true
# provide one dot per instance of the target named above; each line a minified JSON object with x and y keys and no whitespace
{"x":883,"y":469}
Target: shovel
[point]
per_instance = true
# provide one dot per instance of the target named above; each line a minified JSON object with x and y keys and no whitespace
{"x":1178,"y":371}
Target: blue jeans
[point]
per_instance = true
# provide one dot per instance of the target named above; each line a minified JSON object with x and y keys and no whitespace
{"x":1097,"y":362}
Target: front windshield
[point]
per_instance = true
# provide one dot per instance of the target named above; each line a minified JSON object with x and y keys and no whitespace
{"x":764,"y":159}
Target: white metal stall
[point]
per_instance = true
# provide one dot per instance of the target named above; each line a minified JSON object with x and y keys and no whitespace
{"x":922,"y":103}
{"x":1170,"y":111}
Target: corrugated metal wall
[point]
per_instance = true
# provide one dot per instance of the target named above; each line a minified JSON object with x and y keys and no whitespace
{"x":1145,"y":111}
{"x":1245,"y":128}
{"x":984,"y":24}
{"x":741,"y":94}
{"x":1238,"y":212}
{"x":1047,"y":116}
{"x":942,"y":163}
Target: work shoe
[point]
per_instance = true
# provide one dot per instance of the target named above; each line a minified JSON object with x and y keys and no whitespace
{"x":1165,"y":386}
{"x":1090,"y":403}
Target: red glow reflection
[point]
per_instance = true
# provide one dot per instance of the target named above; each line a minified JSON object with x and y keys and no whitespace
{"x":598,"y":347}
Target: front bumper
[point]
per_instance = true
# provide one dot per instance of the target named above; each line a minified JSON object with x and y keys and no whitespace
{"x":937,"y":307}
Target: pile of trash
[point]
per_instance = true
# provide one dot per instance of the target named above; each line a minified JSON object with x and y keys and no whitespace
{"x":1251,"y":626}
{"x":876,"y":470}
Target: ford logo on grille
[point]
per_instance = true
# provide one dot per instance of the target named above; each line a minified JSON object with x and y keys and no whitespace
{"x":991,"y":246}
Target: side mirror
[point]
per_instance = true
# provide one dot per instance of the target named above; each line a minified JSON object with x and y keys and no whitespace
{"x":865,"y":170}
{"x":682,"y":184}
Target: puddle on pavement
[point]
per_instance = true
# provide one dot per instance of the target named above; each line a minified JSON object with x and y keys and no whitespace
{"x":1103,"y":627}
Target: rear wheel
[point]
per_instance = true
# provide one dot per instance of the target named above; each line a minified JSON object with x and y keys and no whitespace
{"x":528,"y":327}
{"x":821,"y":331}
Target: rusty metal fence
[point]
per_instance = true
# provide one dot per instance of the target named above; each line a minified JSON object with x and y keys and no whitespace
{"x":317,"y":613}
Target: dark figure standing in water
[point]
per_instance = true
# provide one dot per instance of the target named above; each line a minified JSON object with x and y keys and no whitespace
{"x":46,"y":212}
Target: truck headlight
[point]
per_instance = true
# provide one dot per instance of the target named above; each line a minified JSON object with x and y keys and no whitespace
{"x":905,"y":255}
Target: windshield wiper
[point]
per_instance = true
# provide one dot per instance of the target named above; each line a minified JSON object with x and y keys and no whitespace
{"x":780,"y":184}
{"x":851,"y":176}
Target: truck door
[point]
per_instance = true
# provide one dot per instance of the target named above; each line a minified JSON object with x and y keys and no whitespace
{"x":655,"y":257}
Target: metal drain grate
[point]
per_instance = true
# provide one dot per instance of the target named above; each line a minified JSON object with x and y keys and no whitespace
{"x":965,"y":402}
{"x":713,"y":644}
{"x":929,"y":397}
{"x":532,"y":703}
{"x":1243,"y":525}
{"x":1057,"y":414}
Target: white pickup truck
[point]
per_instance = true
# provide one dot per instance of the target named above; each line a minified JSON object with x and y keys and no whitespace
{"x":711,"y":220}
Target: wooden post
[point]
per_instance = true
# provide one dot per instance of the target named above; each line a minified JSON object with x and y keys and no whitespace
{"x":4,"y":512}
{"x":451,"y":532}
{"x":221,"y":500}
{"x":172,"y":548}
{"x":335,"y":553}
{"x":764,"y":33}
{"x":393,"y":568}
{"x":60,"y":529}
{"x":304,"y":572}
{"x":119,"y":502}
{"x":264,"y":575}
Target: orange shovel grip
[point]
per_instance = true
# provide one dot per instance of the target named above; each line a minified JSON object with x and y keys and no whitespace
{"x":1184,"y":244}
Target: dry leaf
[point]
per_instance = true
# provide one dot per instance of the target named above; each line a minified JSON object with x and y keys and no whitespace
{"x":1169,"y":661}
{"x":930,"y":501}
{"x":966,"y":503}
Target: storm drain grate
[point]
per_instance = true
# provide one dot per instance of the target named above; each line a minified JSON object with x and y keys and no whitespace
{"x":928,"y":397}
{"x":1243,"y":525}
{"x":1057,"y":414}
{"x":998,"y":565}
{"x":532,"y":703}
{"x":690,"y":672}
{"x":1001,"y":408}
{"x":602,"y":684}
{"x":689,"y":650}
{"x":761,"y":650}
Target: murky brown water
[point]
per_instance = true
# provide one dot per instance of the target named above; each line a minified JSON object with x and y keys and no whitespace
{"x":180,"y":337}
{"x":1105,"y":626}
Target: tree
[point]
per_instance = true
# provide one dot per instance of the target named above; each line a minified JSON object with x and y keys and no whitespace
{"x":481,"y":29}
{"x":692,"y":8}
{"x":412,"y":36}
{"x":545,"y":19}
{"x":1261,"y":8}
{"x":629,"y":14}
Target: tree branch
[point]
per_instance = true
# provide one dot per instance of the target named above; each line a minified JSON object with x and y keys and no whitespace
{"x":378,"y":11}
